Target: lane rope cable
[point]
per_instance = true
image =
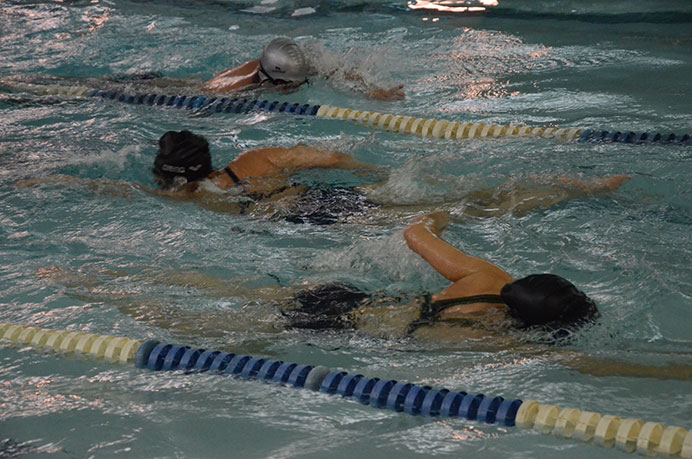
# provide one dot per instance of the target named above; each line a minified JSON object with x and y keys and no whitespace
{"x":421,"y":127}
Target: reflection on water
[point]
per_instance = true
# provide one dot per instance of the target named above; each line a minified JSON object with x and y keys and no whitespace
{"x":452,"y":6}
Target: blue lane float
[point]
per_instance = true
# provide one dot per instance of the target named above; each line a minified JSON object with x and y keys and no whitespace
{"x":378,"y":393}
{"x":210,"y":104}
{"x":634,"y":137}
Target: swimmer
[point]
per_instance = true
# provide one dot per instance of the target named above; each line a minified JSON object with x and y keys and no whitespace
{"x":482,"y":304}
{"x":284,"y":65}
{"x":482,"y":301}
{"x":485,"y":309}
{"x":259,"y":183}
{"x":183,"y":170}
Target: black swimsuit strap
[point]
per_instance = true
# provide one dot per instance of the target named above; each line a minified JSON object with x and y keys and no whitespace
{"x":441,"y":305}
{"x":430,"y":311}
{"x":232,"y":175}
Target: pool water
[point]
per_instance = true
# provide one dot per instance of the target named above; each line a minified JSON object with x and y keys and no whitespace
{"x":75,"y":256}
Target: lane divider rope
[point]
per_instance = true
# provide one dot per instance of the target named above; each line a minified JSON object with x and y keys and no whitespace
{"x":421,"y":127}
{"x":629,"y":435}
{"x":109,"y":348}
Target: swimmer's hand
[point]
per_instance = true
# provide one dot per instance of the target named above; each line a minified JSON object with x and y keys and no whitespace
{"x":48,"y":179}
{"x":436,"y":222}
{"x":372,"y":172}
{"x":388,"y":95}
{"x":98,"y":186}
{"x":606,"y":184}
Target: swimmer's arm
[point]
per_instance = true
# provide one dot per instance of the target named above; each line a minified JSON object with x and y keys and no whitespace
{"x":524,"y":198}
{"x":388,"y":94}
{"x":235,"y":78}
{"x":374,"y":92}
{"x":609,"y":367}
{"x":279,"y":160}
{"x":98,"y":186}
{"x":423,"y":237}
{"x":161,"y":315}
{"x":305,"y":157}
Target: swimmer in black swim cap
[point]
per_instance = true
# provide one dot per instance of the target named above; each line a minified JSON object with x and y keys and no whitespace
{"x":543,"y":301}
{"x":262,"y":175}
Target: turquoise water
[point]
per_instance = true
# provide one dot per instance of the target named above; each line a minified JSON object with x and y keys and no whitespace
{"x":615,"y":66}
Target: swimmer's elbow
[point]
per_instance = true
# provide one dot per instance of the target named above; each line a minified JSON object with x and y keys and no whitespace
{"x":414,"y":235}
{"x":408,"y":236}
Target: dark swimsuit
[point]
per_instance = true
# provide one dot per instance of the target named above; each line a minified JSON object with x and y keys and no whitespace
{"x":254,"y":197}
{"x":327,"y":306}
{"x":325,"y":205}
{"x":318,"y":205}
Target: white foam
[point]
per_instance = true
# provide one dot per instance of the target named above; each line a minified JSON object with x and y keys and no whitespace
{"x":304,"y":11}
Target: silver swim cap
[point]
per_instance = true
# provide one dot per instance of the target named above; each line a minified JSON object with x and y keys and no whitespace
{"x":283,"y":61}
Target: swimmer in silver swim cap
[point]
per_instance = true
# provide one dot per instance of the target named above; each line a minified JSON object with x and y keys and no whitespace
{"x":282,"y":63}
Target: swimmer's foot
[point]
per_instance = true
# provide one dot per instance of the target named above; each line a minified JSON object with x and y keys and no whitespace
{"x":605,"y":184}
{"x":610,"y":183}
{"x":65,"y":277}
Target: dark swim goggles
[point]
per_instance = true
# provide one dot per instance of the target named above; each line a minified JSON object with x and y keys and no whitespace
{"x":264,"y":76}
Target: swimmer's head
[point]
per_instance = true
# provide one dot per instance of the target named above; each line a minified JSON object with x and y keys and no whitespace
{"x":548,"y":301}
{"x":182,"y":157}
{"x":283,"y":62}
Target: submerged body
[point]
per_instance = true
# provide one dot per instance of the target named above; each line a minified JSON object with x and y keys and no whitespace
{"x":340,"y":306}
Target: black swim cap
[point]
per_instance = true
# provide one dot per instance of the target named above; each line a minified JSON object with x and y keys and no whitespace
{"x":548,"y":300}
{"x":182,"y":154}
